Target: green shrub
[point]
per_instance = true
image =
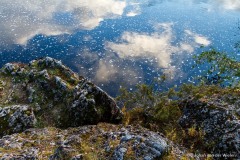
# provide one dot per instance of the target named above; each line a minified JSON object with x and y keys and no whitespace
{"x":219,"y":68}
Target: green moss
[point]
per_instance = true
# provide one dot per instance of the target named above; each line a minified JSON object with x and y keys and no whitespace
{"x":92,"y":147}
{"x":70,"y":80}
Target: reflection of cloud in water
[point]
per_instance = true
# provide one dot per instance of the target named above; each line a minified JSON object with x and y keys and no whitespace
{"x":212,"y":4}
{"x":209,"y":4}
{"x":136,"y":10}
{"x":141,"y":45}
{"x":103,"y":69}
{"x":133,"y":13}
{"x":21,"y":20}
{"x":226,"y":4}
{"x":106,"y":72}
{"x":199,"y":39}
{"x":158,"y":45}
{"x":117,"y":72}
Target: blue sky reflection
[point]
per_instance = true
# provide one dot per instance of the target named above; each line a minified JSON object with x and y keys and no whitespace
{"x":117,"y":42}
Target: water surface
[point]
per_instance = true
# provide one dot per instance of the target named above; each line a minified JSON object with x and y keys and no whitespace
{"x":118,"y":43}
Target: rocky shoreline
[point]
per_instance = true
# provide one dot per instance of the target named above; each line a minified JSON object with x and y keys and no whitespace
{"x":49,"y":112}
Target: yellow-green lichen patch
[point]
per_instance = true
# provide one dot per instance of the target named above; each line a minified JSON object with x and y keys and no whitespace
{"x":44,"y":140}
{"x":70,"y":79}
{"x":6,"y":89}
{"x":89,"y":142}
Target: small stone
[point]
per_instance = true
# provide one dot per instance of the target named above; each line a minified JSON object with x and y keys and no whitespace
{"x":126,"y":138}
{"x":78,"y":157}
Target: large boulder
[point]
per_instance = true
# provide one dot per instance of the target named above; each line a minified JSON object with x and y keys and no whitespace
{"x":91,"y":105}
{"x":58,"y":96}
{"x":217,"y":118}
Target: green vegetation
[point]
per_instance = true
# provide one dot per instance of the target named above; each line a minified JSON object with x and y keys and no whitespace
{"x":160,"y":111}
{"x":50,"y":89}
{"x":220,"y":68}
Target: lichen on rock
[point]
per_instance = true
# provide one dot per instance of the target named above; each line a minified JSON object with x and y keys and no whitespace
{"x":16,"y":118}
{"x":215,"y":117}
{"x":102,"y":141}
{"x":57,"y":96}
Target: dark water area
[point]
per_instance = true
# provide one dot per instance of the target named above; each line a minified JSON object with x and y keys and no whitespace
{"x":119,"y":43}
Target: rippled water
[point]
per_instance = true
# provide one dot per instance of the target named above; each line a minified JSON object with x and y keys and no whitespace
{"x":115,"y":42}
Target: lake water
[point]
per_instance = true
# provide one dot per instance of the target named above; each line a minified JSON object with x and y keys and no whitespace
{"x":118,"y":43}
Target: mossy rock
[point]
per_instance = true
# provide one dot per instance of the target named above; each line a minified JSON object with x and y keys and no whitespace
{"x":16,"y":118}
{"x":57,"y":95}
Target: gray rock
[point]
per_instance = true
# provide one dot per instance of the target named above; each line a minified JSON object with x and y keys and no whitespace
{"x":217,"y":120}
{"x":16,"y":118}
{"x":20,"y":71}
{"x":238,"y":111}
{"x":9,"y":68}
{"x":68,"y":145}
{"x":72,"y":140}
{"x":147,"y":158}
{"x":4,"y":112}
{"x":60,"y":83}
{"x":66,"y":99}
{"x":50,"y":62}
{"x":45,"y":74}
{"x":92,"y":105}
{"x":126,"y":138}
{"x":151,"y":147}
{"x":62,"y":152}
{"x":77,"y":157}
{"x":31,"y":92}
{"x":119,"y":153}
{"x":10,"y":156}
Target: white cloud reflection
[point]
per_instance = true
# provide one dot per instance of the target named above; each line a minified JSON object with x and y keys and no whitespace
{"x":136,"y":9}
{"x":212,"y":5}
{"x":159,"y":45}
{"x":105,"y":72}
{"x":21,"y":20}
{"x":199,"y":39}
{"x":226,"y":4}
{"x":112,"y":69}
